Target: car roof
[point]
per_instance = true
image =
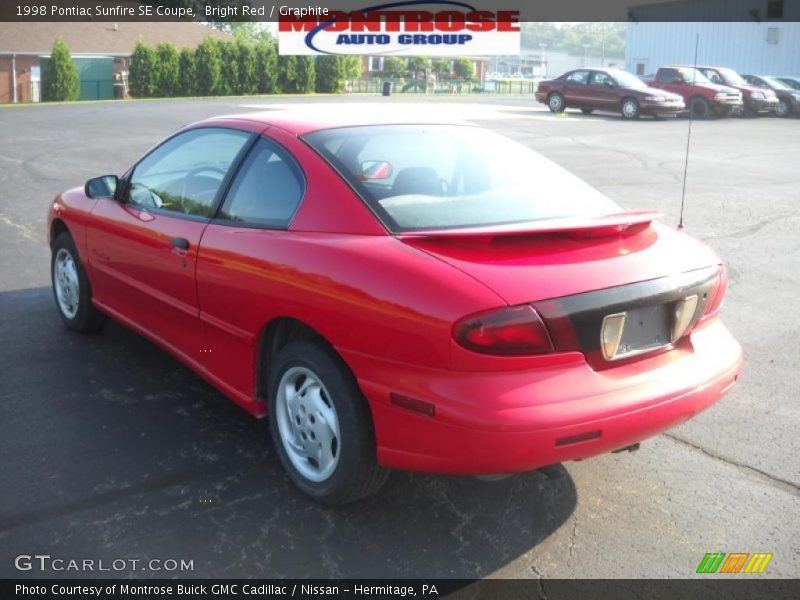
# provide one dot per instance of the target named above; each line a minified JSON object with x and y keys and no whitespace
{"x":299,"y":121}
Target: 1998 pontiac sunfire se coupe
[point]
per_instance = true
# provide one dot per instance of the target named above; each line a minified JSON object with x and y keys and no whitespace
{"x":427,"y":297}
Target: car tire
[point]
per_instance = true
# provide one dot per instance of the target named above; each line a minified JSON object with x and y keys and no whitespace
{"x":555,"y":102}
{"x":783,"y":109}
{"x":71,"y":289}
{"x":700,"y":108}
{"x":587,"y":111}
{"x":630,"y":109}
{"x":321,"y":424}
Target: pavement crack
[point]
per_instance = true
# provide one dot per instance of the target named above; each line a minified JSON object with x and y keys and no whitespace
{"x":572,"y":537}
{"x":540,"y":582}
{"x":783,"y":484}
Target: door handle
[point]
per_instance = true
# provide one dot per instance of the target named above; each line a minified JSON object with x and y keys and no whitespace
{"x":180,"y":243}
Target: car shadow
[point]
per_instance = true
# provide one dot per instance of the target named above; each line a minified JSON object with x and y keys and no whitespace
{"x":114,"y":450}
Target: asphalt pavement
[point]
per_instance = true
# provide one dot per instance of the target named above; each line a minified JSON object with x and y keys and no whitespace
{"x":111,"y":449}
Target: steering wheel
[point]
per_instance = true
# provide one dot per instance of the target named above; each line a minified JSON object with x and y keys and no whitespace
{"x":194,"y":173}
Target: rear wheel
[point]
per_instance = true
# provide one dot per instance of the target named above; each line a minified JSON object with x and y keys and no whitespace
{"x":783,"y":109}
{"x":630,"y":109}
{"x":71,"y":288}
{"x":700,"y":108}
{"x":321,"y":425}
{"x":555,"y":102}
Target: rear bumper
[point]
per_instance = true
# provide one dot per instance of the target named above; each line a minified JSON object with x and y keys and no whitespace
{"x":504,"y":422}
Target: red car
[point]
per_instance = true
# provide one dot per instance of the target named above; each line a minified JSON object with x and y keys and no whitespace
{"x":399,"y":296}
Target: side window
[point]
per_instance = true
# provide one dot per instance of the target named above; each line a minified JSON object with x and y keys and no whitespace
{"x":185,"y":173}
{"x":580,"y":77}
{"x":599,"y":78}
{"x":267,"y":189}
{"x":668,"y":76}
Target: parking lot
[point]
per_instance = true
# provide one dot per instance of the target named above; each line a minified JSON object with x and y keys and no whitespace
{"x":111,"y":449}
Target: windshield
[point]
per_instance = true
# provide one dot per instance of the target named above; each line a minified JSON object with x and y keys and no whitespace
{"x":627,"y":80}
{"x":775,"y":84}
{"x":686,"y":73}
{"x":419,"y":177}
{"x":731,"y":77}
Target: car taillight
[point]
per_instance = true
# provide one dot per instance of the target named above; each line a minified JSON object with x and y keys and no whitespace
{"x":511,"y":331}
{"x":717,"y":297}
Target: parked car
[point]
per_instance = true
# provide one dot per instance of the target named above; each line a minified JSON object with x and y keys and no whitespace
{"x":788,"y":98}
{"x":757,"y":99}
{"x":607,"y":89}
{"x":792,"y":82}
{"x":398,"y":296}
{"x":702,"y":97}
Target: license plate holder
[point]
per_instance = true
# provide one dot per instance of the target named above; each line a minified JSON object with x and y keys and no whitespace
{"x":646,"y":328}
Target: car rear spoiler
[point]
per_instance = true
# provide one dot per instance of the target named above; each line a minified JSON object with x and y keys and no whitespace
{"x":578,"y":227}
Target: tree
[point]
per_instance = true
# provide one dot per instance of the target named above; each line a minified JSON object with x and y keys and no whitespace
{"x":248,"y":80}
{"x":441,"y":66}
{"x":229,"y":75}
{"x":168,"y":70}
{"x":419,"y":63}
{"x":187,"y":81}
{"x":394,"y":67}
{"x":306,"y":75}
{"x":208,"y":67}
{"x":287,"y":73}
{"x":464,"y":69}
{"x":61,"y":78}
{"x":352,"y":66}
{"x":267,"y":66}
{"x":142,"y":78}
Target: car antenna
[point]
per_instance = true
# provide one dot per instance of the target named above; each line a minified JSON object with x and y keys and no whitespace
{"x":689,"y":134}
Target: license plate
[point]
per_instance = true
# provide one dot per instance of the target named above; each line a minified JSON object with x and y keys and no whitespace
{"x":642,"y":329}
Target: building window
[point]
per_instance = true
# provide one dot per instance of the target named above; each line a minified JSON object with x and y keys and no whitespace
{"x":375,"y":63}
{"x":775,"y":9}
{"x":772,"y":35}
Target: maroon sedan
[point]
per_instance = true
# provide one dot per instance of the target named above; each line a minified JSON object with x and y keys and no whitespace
{"x":607,"y":89}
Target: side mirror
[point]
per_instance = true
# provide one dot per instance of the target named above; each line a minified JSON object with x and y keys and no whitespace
{"x":372,"y":170}
{"x":609,"y":83}
{"x":101,"y":187}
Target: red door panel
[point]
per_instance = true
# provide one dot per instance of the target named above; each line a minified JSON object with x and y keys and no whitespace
{"x":137,"y":271}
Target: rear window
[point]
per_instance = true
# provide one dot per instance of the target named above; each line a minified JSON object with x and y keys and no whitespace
{"x":423,"y":177}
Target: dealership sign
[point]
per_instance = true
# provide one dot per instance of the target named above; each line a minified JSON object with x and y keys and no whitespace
{"x":407,"y":28}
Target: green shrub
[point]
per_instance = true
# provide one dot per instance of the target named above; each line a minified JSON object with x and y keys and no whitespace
{"x":306,"y":75}
{"x":187,"y":81}
{"x":287,"y":73}
{"x":266,"y":67}
{"x":247,"y":66}
{"x":61,"y":81}
{"x":208,"y":67}
{"x":142,"y":76}
{"x":167,"y":71}
{"x":330,"y":78}
{"x":229,"y":74}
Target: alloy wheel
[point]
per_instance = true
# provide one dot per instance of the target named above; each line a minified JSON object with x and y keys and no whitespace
{"x":65,"y":278}
{"x":308,"y":424}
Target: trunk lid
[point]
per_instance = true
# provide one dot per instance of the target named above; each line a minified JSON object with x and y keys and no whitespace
{"x":551,"y":259}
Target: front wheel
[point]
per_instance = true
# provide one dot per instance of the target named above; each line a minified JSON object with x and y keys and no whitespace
{"x":630,"y":109}
{"x":555,"y":102}
{"x":71,"y":288}
{"x":700,"y":108}
{"x":321,"y":425}
{"x":783,"y":109}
